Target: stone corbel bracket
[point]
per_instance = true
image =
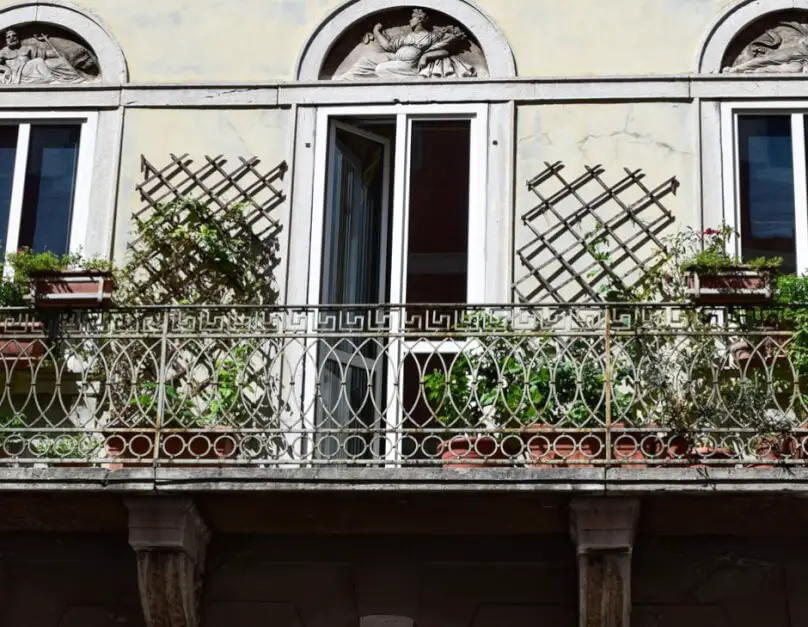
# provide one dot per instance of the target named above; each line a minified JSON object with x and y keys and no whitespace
{"x":170,"y":540}
{"x":603,"y":531}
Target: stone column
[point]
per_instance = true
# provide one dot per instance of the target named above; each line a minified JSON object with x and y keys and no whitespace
{"x":170,"y":539}
{"x":603,"y":531}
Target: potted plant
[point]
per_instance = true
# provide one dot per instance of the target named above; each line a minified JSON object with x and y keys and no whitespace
{"x":713,"y":276}
{"x":197,"y":414}
{"x":22,"y":337}
{"x":535,"y":392}
{"x":64,"y":281}
{"x":66,"y":449}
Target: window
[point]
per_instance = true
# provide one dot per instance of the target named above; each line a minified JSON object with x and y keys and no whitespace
{"x":44,"y":182}
{"x":399,"y":217}
{"x":769,"y":189}
{"x":402,"y":218}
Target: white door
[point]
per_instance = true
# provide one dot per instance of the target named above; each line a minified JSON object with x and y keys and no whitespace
{"x":351,"y":368}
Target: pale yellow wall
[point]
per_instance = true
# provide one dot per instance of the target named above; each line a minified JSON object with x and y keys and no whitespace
{"x":658,"y":138}
{"x":156,"y":134}
{"x":259,"y":40}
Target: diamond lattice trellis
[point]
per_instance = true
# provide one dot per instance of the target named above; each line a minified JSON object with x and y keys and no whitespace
{"x":586,"y":232}
{"x":218,"y":185}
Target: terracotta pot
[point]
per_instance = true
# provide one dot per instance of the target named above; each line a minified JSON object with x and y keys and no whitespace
{"x":215,"y":445}
{"x":737,"y":285}
{"x":72,"y":289}
{"x":708,"y":454}
{"x":635,"y":449}
{"x":572,"y":449}
{"x":25,"y":344}
{"x":471,"y":452}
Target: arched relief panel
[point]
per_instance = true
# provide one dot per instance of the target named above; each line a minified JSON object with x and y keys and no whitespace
{"x":757,"y":36}
{"x":55,"y":43}
{"x":427,"y":39}
{"x":405,"y":44}
{"x":775,"y":43}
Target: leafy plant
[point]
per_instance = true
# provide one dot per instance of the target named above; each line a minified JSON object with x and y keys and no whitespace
{"x":509,"y":381}
{"x":190,"y":252}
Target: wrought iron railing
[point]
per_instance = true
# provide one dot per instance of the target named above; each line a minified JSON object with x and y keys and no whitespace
{"x":392,"y":386}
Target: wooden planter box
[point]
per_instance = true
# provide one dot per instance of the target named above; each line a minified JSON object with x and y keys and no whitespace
{"x":729,"y":286}
{"x":70,"y":289}
{"x":22,"y":343}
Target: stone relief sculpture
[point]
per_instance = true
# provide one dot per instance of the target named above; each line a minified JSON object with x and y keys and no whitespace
{"x":41,"y":59}
{"x":780,"y":50}
{"x":414,"y":51}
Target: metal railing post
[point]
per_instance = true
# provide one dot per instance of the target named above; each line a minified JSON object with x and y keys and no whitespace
{"x":161,"y":386}
{"x":607,"y":381}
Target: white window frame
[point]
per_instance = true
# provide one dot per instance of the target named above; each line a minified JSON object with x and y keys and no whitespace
{"x":730,"y":112}
{"x":84,"y":170}
{"x":404,"y":116}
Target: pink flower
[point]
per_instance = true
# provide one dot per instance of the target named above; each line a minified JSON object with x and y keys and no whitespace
{"x":712,"y":232}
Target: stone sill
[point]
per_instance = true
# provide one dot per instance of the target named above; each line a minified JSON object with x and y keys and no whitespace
{"x":547,"y":480}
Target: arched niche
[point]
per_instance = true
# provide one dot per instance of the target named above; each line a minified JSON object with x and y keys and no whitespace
{"x":758,"y":37}
{"x":372,"y":40}
{"x":53,"y":42}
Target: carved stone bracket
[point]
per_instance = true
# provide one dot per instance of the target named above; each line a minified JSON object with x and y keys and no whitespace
{"x":170,"y":539}
{"x":603,"y":530}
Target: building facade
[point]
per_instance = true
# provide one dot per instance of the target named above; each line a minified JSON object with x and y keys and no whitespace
{"x":412,"y":168}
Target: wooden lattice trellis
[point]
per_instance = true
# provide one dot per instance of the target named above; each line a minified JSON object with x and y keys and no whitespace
{"x":218,"y":186}
{"x":626,"y":217}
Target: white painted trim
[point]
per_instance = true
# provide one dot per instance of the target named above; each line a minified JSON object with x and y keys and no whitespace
{"x":18,"y":188}
{"x":732,"y":21}
{"x":83,"y":185}
{"x":800,"y":191}
{"x":65,"y":15}
{"x":495,"y":47}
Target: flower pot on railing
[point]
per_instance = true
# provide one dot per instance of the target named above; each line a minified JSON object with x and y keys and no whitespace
{"x":471,"y":452}
{"x":22,"y":343}
{"x":72,"y":289}
{"x":732,"y":285}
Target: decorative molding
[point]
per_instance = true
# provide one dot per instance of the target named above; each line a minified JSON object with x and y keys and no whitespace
{"x":732,"y":22}
{"x":170,"y":540}
{"x":478,"y":26}
{"x":603,"y":530}
{"x":604,"y":524}
{"x":417,"y":50}
{"x":76,"y":33}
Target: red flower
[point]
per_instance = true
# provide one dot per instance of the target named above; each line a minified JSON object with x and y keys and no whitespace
{"x":712,"y":232}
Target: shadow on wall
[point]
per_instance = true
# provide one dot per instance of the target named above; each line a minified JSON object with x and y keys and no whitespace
{"x":197,"y":217}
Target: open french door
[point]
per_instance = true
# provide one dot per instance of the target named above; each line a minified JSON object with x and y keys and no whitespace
{"x":351,"y":368}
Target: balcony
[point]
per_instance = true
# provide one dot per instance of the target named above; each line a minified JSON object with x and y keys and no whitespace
{"x":452,"y":388}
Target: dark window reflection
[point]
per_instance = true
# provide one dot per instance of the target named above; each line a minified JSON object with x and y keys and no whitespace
{"x":8,"y":155}
{"x":767,"y":188}
{"x":49,"y":188}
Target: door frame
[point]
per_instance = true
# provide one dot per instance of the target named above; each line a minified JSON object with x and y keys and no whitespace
{"x":478,"y":225}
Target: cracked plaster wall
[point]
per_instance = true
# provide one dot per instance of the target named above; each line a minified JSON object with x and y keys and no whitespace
{"x":659,"y":138}
{"x":257,"y":40}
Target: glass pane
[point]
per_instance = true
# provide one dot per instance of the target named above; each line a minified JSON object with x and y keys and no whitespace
{"x":437,"y":259}
{"x":354,"y":222}
{"x":8,"y":154}
{"x":767,"y":188}
{"x":50,"y":182}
